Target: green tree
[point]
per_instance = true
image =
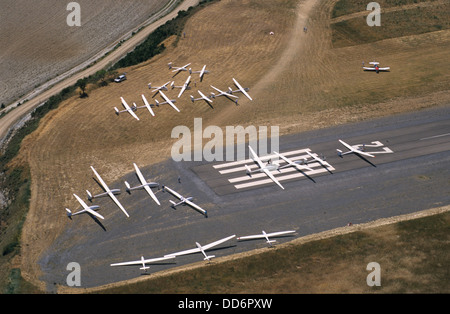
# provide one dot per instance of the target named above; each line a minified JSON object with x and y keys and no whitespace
{"x":81,"y":83}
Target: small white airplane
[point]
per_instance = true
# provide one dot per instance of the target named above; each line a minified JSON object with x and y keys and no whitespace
{"x":143,"y":262}
{"x":228,"y":94}
{"x":144,"y":185}
{"x":185,"y":201}
{"x":183,"y":87}
{"x":352,"y":150}
{"x":202,"y":97}
{"x":167,"y":101}
{"x":108,"y":192}
{"x":127,"y":109}
{"x":158,"y":88}
{"x":243,"y":90}
{"x":202,"y":72}
{"x":266,"y":236}
{"x":86,"y":209}
{"x":146,"y":105}
{"x":375,"y":67}
{"x":263,"y":168}
{"x":178,"y":69}
{"x":203,"y":248}
{"x":299,"y":164}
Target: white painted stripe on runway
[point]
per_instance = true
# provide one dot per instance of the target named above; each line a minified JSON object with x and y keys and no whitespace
{"x":386,"y":150}
{"x":260,"y":178}
{"x":275,"y":173}
{"x":253,"y":165}
{"x":263,"y":158}
{"x":440,"y":135}
{"x":279,"y":178}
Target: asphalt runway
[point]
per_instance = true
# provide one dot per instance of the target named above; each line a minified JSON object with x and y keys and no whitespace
{"x":413,"y":177}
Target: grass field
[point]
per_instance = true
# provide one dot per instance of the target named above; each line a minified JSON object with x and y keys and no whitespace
{"x":396,"y":23}
{"x":347,"y":7}
{"x":298,"y":80}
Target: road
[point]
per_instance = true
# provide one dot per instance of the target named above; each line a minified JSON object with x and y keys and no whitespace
{"x":53,"y":87}
{"x":412,"y":178}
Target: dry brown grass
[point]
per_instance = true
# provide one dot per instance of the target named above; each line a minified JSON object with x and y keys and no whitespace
{"x":297,"y":80}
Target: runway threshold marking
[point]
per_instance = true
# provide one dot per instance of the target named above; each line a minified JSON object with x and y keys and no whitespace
{"x":263,"y":158}
{"x":386,"y":150}
{"x":246,"y":181}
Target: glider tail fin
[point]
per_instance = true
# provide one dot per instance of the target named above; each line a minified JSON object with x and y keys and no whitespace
{"x":173,"y":204}
{"x":128,"y":189}
{"x":89,"y":195}
{"x":271,"y":241}
{"x":247,"y":170}
{"x":208,"y":257}
{"x":144,"y":268}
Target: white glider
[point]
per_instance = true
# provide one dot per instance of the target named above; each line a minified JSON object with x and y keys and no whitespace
{"x":183,"y":87}
{"x":376,"y":67}
{"x":158,"y":88}
{"x":143,"y":262}
{"x":299,"y":164}
{"x":263,"y":168}
{"x":202,"y":72}
{"x":243,"y":90}
{"x":146,"y":105}
{"x":167,"y":101}
{"x":352,"y":150}
{"x":228,"y":94}
{"x":86,"y":209}
{"x":266,"y":236}
{"x":127,"y":109}
{"x":202,"y":97}
{"x":203,"y":248}
{"x":185,"y":201}
{"x":108,"y":192}
{"x":144,"y":185}
{"x":178,"y":69}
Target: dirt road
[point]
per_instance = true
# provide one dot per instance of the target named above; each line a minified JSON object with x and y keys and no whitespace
{"x":51,"y":88}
